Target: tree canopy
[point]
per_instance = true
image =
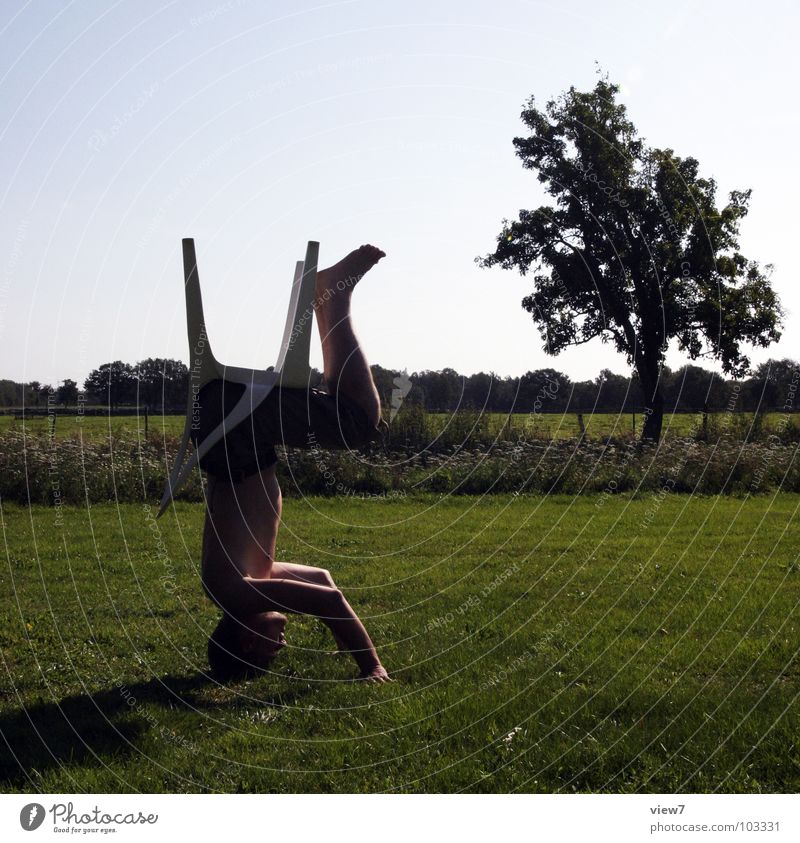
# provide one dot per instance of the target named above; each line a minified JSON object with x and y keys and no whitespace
{"x":154,"y":382}
{"x":634,"y":250}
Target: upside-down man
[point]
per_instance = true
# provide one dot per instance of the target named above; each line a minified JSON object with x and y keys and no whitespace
{"x":239,"y":570}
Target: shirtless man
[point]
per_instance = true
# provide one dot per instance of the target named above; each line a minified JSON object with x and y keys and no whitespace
{"x":239,"y":570}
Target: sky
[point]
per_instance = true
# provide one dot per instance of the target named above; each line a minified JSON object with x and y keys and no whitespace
{"x":254,"y":127}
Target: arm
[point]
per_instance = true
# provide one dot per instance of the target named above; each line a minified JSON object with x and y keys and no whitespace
{"x":328,"y":604}
{"x":308,"y":574}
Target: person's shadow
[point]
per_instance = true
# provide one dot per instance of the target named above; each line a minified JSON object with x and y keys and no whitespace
{"x":97,"y":728}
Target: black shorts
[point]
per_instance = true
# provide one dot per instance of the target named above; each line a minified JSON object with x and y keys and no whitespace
{"x":295,"y":417}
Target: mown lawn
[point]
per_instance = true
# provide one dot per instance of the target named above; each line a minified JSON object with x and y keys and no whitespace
{"x":538,"y":645}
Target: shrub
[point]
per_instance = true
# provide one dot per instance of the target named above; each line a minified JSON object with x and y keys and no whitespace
{"x":126,"y":468}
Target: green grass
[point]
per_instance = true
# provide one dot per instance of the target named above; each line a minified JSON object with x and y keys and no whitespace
{"x":545,"y":426}
{"x":95,"y":427}
{"x":604,"y":425}
{"x":538,"y":645}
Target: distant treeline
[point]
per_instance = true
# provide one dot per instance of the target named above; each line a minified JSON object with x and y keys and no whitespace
{"x":161,"y":384}
{"x":772,"y":386}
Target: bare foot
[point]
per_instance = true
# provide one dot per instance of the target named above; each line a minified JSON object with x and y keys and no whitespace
{"x":343,"y":276}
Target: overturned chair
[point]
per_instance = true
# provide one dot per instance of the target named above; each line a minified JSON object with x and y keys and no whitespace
{"x":292,"y":368}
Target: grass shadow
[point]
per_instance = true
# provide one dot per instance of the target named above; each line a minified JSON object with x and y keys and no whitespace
{"x":100,"y":727}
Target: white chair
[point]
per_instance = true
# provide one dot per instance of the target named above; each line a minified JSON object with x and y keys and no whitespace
{"x":292,"y":368}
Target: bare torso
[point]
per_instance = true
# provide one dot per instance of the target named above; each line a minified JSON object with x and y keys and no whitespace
{"x":241,"y":527}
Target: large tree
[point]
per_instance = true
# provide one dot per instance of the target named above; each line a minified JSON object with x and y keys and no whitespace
{"x":634,"y":249}
{"x":775,"y":385}
{"x":161,"y":382}
{"x":68,"y":392}
{"x":112,"y":384}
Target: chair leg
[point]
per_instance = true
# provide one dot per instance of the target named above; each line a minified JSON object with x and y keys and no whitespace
{"x":296,"y":345}
{"x":203,"y":366}
{"x":292,"y":369}
{"x":291,"y":314}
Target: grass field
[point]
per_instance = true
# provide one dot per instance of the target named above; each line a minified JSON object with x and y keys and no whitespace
{"x":95,"y":426}
{"x":543,"y":425}
{"x":538,"y":644}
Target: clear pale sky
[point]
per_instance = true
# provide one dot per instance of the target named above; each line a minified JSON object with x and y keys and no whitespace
{"x":256,"y":126}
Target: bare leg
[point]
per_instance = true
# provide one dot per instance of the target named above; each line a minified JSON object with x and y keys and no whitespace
{"x":345,"y":366}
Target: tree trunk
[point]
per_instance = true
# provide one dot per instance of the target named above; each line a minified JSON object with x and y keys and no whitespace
{"x":653,"y":404}
{"x":654,"y":418}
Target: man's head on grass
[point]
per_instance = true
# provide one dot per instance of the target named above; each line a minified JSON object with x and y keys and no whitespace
{"x":246,"y":647}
